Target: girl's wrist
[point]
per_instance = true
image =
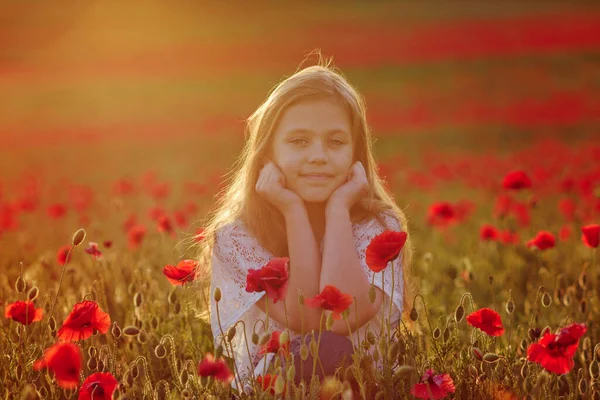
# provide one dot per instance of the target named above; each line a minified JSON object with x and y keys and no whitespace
{"x":336,"y":210}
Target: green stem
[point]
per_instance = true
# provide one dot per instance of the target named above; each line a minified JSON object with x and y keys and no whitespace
{"x":230,"y":355}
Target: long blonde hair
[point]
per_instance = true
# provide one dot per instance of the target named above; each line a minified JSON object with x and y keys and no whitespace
{"x":239,"y":199}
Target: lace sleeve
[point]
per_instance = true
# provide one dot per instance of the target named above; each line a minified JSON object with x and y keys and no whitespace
{"x":235,"y":252}
{"x":372,"y":229}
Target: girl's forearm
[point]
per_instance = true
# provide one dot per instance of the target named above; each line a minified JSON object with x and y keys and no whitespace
{"x":341,"y":268}
{"x":305,"y":266}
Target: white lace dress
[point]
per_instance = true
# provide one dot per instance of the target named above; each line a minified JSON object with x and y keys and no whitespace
{"x":236,"y":251}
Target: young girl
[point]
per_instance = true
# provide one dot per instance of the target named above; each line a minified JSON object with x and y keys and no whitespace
{"x":305,"y":187}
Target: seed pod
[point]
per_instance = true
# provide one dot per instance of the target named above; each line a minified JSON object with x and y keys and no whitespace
{"x":138,"y":323}
{"x":135,"y":371}
{"x":78,"y":237}
{"x":304,"y":352}
{"x":129,"y":378}
{"x":491,"y":358}
{"x":20,"y":285}
{"x":172,"y":297}
{"x":154,"y":323}
{"x":131,"y":330}
{"x":92,"y":351}
{"x":277,"y":363}
{"x":218,"y":352}
{"x":33,"y":293}
{"x":478,"y":354}
{"x":217,"y":294}
{"x":546,"y":299}
{"x":329,"y":321}
{"x":116,"y":331}
{"x":160,"y":351}
{"x":371,"y":337}
{"x":19,"y":372}
{"x":414,"y":315}
{"x":184,"y":377}
{"x":446,"y":335}
{"x":510,"y":306}
{"x":314,"y":350}
{"x":459,"y":313}
{"x":137,"y":299}
{"x":525,"y":370}
{"x":372,"y":294}
{"x":231,"y":333}
{"x":594,"y":370}
{"x":376,"y":355}
{"x":437,"y":333}
{"x":255,"y":338}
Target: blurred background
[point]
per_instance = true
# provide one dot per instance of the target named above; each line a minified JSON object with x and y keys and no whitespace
{"x":93,"y":92}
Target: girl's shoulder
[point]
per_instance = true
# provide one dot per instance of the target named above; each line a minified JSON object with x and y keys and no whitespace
{"x":385,"y":220}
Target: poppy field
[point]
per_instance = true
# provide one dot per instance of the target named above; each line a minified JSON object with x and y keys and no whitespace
{"x":116,"y":142}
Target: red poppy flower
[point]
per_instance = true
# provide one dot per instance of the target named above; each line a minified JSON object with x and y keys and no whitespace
{"x":565,"y":233}
{"x":156,"y":212}
{"x":160,"y":190}
{"x":184,"y":271}
{"x":331,"y":298}
{"x":555,"y":352}
{"x":441,"y":213}
{"x":130,"y":222}
{"x":107,"y":244}
{"x":508,"y":237}
{"x":487,"y":320}
{"x":489,"y":232}
{"x":94,"y":250}
{"x":64,"y":360}
{"x":433,"y":386}
{"x":164,"y":225}
{"x":567,"y":208}
{"x":591,"y":235}
{"x":61,"y":255}
{"x":521,"y":213}
{"x":135,"y":236}
{"x":267,"y":381}
{"x":502,"y":206}
{"x":219,"y":369}
{"x":272,"y":278}
{"x":23,"y":312}
{"x":273,"y":345}
{"x":543,"y":240}
{"x":98,"y":386}
{"x":384,"y":248}
{"x":181,"y":219}
{"x":516,"y":180}
{"x":123,"y":187}
{"x":56,"y":211}
{"x":80,"y":324}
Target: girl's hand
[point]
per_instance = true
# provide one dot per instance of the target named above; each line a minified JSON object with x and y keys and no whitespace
{"x":271,"y":185}
{"x":356,"y":187}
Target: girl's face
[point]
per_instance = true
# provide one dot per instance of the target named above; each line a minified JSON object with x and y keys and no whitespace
{"x":312,"y":146}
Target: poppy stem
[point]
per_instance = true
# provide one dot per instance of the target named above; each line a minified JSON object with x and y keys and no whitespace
{"x":230,"y":355}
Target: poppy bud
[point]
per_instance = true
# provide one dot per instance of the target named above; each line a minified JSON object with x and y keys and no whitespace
{"x":437,"y":333}
{"x":52,"y":324}
{"x":304,"y":352}
{"x":20,"y":285}
{"x":277,"y":363}
{"x":346,"y":313}
{"x":534,"y":333}
{"x":78,"y":237}
{"x":160,"y":351}
{"x":477,"y":353}
{"x":510,"y":306}
{"x":393,"y":352}
{"x":284,"y":337}
{"x":116,"y":331}
{"x":231,"y":333}
{"x":33,"y":293}
{"x":525,"y":370}
{"x":154,"y":323}
{"x":279,"y":384}
{"x":546,"y":299}
{"x":264,"y":338}
{"x":135,"y":371}
{"x":491,"y":357}
{"x":372,"y":294}
{"x":177,"y":308}
{"x":142,"y":337}
{"x":473,"y":370}
{"x":92,"y":364}
{"x":131,"y":330}
{"x":291,"y":372}
{"x":371,"y":337}
{"x":218,"y":352}
{"x":414,"y":315}
{"x":523,"y":345}
{"x":382,"y":345}
{"x":19,"y":372}
{"x":138,"y":323}
{"x":217,"y":294}
{"x":582,"y":306}
{"x":491,"y":279}
{"x":583,"y":386}
{"x":137,"y":299}
{"x":376,"y":355}
{"x":255,"y":338}
{"x":172,"y":298}
{"x":594,"y":370}
{"x":459,"y":313}
{"x":313,"y":348}
{"x":329,"y":321}
{"x":446,"y":334}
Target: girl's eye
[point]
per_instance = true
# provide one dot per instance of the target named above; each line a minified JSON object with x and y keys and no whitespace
{"x":298,"y":141}
{"x":337,"y":142}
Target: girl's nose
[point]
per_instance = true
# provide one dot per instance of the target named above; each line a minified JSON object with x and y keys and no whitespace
{"x":317,"y":154}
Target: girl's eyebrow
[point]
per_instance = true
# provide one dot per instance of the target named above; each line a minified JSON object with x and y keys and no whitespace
{"x":311,"y":132}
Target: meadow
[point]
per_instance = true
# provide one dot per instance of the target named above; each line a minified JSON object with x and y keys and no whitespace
{"x":122,"y":122}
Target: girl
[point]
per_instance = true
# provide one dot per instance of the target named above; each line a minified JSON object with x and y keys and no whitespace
{"x":305,"y":187}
